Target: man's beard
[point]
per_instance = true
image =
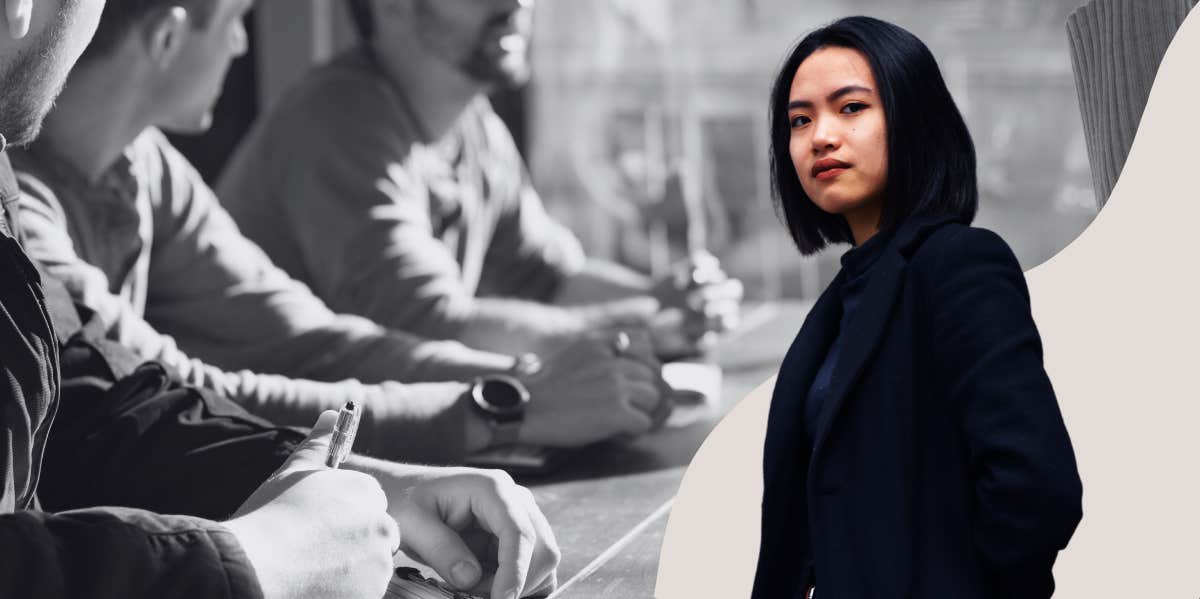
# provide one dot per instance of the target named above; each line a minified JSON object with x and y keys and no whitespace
{"x":494,"y":65}
{"x":31,"y":82}
{"x":496,"y":72}
{"x":488,"y":62}
{"x":25,"y":98}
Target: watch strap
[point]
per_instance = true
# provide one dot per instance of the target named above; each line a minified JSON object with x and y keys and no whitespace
{"x":505,"y":433}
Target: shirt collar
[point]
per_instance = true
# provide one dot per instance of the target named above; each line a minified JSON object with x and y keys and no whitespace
{"x":9,"y":193}
{"x":119,"y":177}
{"x":859,"y":259}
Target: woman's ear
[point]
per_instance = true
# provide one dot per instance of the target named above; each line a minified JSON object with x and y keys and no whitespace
{"x":165,"y":34}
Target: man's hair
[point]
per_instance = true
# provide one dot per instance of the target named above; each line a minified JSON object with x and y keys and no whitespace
{"x":364,"y":19}
{"x":930,"y":155}
{"x":120,"y":16}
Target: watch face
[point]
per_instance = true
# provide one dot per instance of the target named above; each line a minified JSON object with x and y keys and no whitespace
{"x":502,"y":395}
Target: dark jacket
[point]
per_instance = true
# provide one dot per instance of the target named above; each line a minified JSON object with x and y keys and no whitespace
{"x":124,"y":434}
{"x":941,"y":467}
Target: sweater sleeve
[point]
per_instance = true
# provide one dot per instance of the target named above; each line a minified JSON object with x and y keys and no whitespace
{"x":372,"y":218}
{"x":224,"y":300}
{"x":359,"y":207}
{"x":531,"y":254}
{"x":1116,"y":48}
{"x":120,"y":553}
{"x":427,"y":416}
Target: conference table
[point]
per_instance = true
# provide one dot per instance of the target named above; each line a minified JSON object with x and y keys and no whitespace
{"x":608,"y":505}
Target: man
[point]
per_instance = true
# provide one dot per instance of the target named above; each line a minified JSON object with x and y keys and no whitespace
{"x":305,"y":532}
{"x":127,"y":223}
{"x":387,"y":184}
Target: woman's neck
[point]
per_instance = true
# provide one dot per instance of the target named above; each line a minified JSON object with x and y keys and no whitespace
{"x":864,"y":223}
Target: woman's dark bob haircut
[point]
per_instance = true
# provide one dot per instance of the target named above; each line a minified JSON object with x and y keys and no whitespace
{"x":931,"y":159}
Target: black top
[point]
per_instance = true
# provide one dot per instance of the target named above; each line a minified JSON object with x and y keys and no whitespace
{"x":856,"y":266}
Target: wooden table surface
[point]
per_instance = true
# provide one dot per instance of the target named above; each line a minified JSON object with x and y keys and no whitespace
{"x":609,"y":504}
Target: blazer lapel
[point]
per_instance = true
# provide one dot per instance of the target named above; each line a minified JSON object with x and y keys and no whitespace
{"x":785,"y":436}
{"x":867,"y":327}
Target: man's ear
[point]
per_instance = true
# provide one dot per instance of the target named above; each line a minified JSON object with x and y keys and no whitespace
{"x":18,"y":13}
{"x":165,"y":33}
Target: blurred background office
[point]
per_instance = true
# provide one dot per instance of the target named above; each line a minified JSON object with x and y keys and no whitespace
{"x":644,"y":125}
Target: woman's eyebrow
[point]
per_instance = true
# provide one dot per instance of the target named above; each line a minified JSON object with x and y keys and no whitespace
{"x":839,"y":92}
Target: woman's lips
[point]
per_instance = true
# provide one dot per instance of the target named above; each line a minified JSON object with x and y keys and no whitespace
{"x":828,"y":168}
{"x":829,"y":173}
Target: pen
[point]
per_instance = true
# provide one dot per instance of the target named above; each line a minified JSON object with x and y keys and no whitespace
{"x":343,"y":435}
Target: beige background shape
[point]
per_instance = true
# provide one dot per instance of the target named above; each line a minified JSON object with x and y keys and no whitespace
{"x":1119,"y":314}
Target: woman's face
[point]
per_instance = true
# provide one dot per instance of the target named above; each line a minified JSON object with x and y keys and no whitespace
{"x":839,"y":135}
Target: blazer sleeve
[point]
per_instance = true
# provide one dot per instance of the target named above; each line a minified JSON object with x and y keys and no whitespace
{"x":120,"y":553}
{"x":1027,"y":488}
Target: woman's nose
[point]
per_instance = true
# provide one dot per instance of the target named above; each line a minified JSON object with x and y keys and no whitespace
{"x":826,"y":134}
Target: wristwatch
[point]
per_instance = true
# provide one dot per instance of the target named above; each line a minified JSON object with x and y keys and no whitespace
{"x":501,"y":400}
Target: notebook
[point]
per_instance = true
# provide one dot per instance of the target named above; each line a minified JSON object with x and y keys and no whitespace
{"x":407,"y":583}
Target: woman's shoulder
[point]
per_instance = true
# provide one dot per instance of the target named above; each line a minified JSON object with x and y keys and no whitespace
{"x":956,"y":248}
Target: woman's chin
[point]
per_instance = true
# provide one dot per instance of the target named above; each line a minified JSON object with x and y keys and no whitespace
{"x":839,"y":206}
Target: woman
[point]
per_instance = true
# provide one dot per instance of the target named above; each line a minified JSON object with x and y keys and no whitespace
{"x":915,"y":447}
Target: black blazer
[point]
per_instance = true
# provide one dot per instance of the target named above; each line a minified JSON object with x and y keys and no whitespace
{"x":941,"y":467}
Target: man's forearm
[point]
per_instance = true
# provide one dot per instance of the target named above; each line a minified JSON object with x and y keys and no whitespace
{"x":601,"y":281}
{"x":419,"y":422}
{"x":513,"y":326}
{"x":351,"y":347}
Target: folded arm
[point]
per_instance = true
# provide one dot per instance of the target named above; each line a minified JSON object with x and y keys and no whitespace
{"x":418,"y":421}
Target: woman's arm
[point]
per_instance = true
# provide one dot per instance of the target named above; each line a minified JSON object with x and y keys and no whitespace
{"x":1027,"y":489}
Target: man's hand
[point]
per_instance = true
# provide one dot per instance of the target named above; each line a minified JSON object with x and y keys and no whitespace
{"x":592,"y":389}
{"x":18,"y":13}
{"x":697,"y":301}
{"x":477,"y":529}
{"x":312,"y":532}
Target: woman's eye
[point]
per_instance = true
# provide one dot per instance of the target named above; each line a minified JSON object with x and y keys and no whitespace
{"x":800,"y":120}
{"x":853,"y":107}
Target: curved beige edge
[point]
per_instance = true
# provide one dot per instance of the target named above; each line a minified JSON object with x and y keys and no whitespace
{"x":1119,"y":314}
{"x":710,"y":547}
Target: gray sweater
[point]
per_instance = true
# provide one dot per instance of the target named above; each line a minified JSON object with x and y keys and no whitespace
{"x":1116,"y":46}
